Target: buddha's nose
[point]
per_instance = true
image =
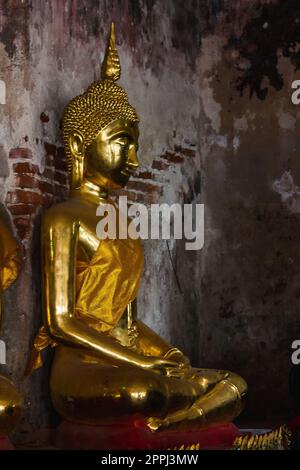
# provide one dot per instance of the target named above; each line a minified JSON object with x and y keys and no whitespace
{"x":133,"y":161}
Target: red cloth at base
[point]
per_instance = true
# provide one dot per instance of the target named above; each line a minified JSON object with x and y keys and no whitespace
{"x":135,"y":435}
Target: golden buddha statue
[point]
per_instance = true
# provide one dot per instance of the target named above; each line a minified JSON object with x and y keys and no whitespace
{"x":107,"y":363}
{"x":10,"y":401}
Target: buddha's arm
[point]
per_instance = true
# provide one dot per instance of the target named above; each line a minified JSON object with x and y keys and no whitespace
{"x":149,"y":342}
{"x":59,"y":247}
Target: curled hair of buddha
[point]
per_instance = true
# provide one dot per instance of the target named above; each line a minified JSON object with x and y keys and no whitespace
{"x":103,"y":102}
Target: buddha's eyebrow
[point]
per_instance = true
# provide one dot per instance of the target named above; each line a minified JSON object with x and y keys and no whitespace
{"x":124,"y":134}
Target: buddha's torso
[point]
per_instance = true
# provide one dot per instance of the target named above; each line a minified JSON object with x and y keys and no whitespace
{"x":108,"y":273}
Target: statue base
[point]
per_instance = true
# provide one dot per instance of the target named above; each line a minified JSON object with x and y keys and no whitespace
{"x":134,"y":434}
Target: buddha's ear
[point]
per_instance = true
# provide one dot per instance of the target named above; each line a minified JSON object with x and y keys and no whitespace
{"x":76,"y":143}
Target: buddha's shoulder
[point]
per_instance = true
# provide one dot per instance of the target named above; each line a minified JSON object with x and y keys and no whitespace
{"x":65,"y":213}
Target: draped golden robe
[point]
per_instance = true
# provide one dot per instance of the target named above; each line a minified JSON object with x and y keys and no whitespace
{"x":104,"y":287}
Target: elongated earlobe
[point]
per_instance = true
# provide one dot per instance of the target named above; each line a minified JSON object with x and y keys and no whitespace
{"x":76,"y":143}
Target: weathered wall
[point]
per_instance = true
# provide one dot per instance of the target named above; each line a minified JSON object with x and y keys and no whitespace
{"x":250,"y":170}
{"x":211,"y":83}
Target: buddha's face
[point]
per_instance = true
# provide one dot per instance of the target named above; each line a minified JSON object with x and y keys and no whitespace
{"x":112,"y":157}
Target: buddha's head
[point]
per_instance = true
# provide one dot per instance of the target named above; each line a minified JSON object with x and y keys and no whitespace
{"x":100,"y":129}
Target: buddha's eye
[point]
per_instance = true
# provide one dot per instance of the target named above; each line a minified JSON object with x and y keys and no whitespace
{"x":122,"y":141}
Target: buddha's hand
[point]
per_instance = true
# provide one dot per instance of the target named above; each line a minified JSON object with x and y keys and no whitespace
{"x":176,"y":355}
{"x":163,"y":366}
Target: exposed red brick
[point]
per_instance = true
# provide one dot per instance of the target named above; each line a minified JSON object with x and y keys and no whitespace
{"x":20,"y":152}
{"x":27,"y":181}
{"x":26,"y":168}
{"x":172,"y":157}
{"x":146,"y":175}
{"x":46,"y":187}
{"x":48,"y":173}
{"x":23,"y":226}
{"x":137,"y":197}
{"x":160,"y":165}
{"x":61,"y":191}
{"x":185,"y":151}
{"x":142,"y":186}
{"x":60,"y":163}
{"x":21,"y":209}
{"x":23,"y":232}
{"x":61,"y":177}
{"x":144,"y":198}
{"x":35,"y":190}
{"x":22,"y":221}
{"x":23,"y":196}
{"x":56,"y":155}
{"x":132,"y":196}
{"x":47,"y":200}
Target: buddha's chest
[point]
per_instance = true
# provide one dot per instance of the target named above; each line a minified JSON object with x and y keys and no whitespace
{"x":96,"y":227}
{"x":106,"y":284}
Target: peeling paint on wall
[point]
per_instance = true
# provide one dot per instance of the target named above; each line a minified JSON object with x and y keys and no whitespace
{"x":288,"y":191}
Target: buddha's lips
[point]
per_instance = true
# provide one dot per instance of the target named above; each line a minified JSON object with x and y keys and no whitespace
{"x":128,"y":171}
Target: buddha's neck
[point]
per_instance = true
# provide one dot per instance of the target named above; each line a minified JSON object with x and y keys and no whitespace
{"x":91,"y":190}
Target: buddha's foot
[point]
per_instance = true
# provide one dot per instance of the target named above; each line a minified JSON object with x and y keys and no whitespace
{"x":220,"y":405}
{"x":181,"y":420}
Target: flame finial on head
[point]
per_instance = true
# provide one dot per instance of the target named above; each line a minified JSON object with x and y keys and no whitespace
{"x":111,"y":67}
